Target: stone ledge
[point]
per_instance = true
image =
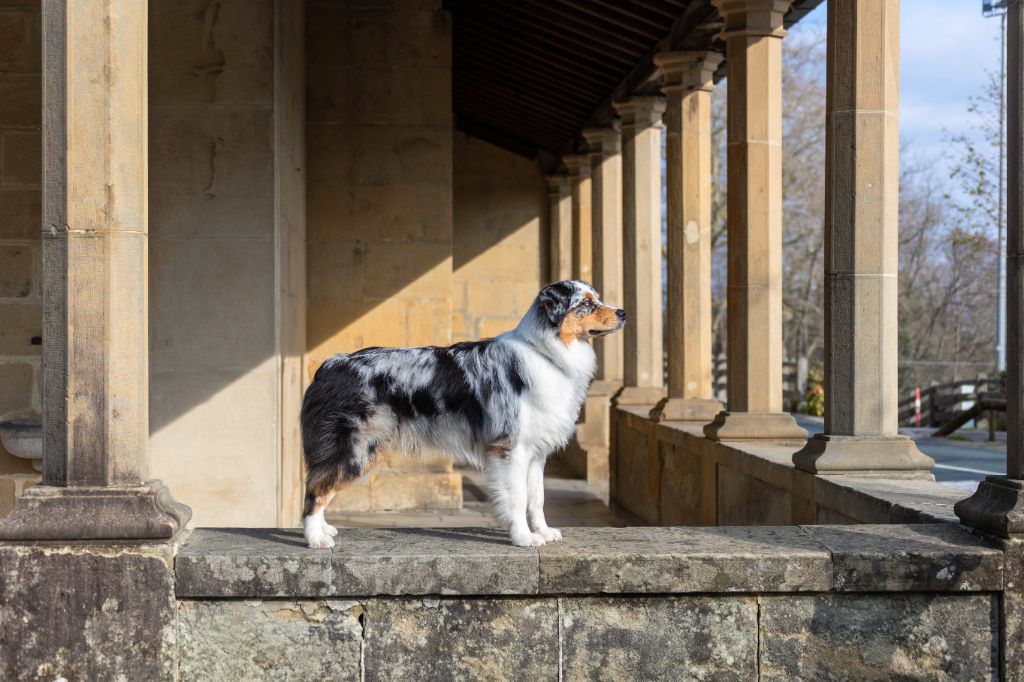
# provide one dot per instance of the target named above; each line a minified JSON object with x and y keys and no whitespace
{"x":247,"y":563}
{"x":921,"y":557}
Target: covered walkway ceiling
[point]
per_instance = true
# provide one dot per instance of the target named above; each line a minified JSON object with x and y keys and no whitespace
{"x":528,"y":75}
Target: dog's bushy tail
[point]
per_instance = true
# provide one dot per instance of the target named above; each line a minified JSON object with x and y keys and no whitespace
{"x":332,"y":411}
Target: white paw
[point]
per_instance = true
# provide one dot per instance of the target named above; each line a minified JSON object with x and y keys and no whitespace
{"x":528,"y":540}
{"x":320,"y":541}
{"x":330,"y":530}
{"x":550,"y":534}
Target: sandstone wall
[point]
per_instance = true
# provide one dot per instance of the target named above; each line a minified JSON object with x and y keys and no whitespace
{"x":20,"y":214}
{"x":218,"y":225}
{"x":380,"y":232}
{"x":380,"y":176}
{"x":500,"y":243}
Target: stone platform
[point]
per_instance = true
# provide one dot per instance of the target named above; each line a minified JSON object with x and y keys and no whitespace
{"x":785,"y":602}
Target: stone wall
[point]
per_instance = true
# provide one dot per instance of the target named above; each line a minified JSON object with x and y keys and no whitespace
{"x":20,"y":229}
{"x":224,"y":209}
{"x":668,"y":473}
{"x":920,"y":602}
{"x":500,"y":238}
{"x":380,"y":225}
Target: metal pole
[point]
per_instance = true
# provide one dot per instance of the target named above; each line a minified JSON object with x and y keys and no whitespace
{"x":1001,"y":304}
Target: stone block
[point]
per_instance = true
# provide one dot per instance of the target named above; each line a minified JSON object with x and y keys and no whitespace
{"x":381,"y":155}
{"x":19,"y":41}
{"x":22,"y":159}
{"x":233,"y":329}
{"x":22,"y":213}
{"x":633,"y":468}
{"x":17,"y":265}
{"x":398,"y":212}
{"x":745,"y":500}
{"x":659,"y":638}
{"x":915,"y":557}
{"x":211,"y":54}
{"x":86,"y":612}
{"x":335,"y":269}
{"x":22,"y":323}
{"x":8,"y":494}
{"x":215,"y":174}
{"x":463,"y":639}
{"x":21,"y":100}
{"x":489,"y":327}
{"x":379,"y":95}
{"x":414,"y":491}
{"x":229,"y":412}
{"x":241,"y":563}
{"x":684,"y":487}
{"x":16,"y":380}
{"x":871,"y":637}
{"x":675,"y":560}
{"x":280,"y":640}
{"x":492,"y":297}
{"x":416,"y":270}
{"x":343,"y":326}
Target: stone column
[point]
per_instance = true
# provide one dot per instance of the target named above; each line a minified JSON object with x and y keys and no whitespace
{"x":605,"y":146}
{"x":753,"y":37}
{"x":560,"y":223}
{"x":579,"y":187}
{"x":643,"y":371}
{"x":862,"y":249}
{"x":998,"y":505}
{"x":688,"y":82}
{"x":95,"y":356}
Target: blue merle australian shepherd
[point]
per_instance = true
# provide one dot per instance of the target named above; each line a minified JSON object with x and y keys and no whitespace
{"x":501,"y":404}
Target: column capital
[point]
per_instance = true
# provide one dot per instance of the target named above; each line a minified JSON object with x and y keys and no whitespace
{"x":603,"y":141}
{"x":753,"y":17}
{"x":557,"y":184}
{"x":578,"y":165}
{"x":640,"y":112}
{"x":687,"y":71}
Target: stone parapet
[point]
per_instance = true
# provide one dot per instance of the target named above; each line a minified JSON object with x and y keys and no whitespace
{"x":261,"y":563}
{"x":670,"y":473}
{"x":610,"y":603}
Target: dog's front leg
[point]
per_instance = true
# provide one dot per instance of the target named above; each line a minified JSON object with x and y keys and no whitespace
{"x":535,"y":502}
{"x":507,"y":478}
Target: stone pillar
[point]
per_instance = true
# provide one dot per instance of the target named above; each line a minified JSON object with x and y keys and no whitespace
{"x":862,"y":249}
{"x":998,"y":505}
{"x":643,"y":371}
{"x":605,"y":147}
{"x":95,"y":356}
{"x":582,"y":236}
{"x":688,"y":82}
{"x":753,"y":37}
{"x":560,"y":224}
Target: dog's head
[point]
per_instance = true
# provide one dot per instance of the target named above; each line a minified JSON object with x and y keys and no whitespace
{"x":575,"y":311}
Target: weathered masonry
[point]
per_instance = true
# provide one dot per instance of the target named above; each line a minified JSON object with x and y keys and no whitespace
{"x":202,"y":200}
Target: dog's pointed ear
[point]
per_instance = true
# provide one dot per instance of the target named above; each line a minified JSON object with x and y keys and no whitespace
{"x":555,"y":301}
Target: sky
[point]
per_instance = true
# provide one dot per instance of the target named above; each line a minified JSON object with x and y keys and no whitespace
{"x":946,"y":46}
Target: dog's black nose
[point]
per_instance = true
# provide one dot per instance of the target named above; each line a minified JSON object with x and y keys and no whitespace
{"x":621,"y":313}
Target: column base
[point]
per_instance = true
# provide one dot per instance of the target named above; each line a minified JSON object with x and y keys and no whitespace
{"x":888,"y":456}
{"x":639,"y":395}
{"x":996,"y":507}
{"x":46,"y":512}
{"x":686,"y":410}
{"x":754,"y":426}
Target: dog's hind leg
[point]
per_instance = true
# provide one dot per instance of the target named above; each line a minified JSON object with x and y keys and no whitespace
{"x":535,"y":502}
{"x":321,"y":484}
{"x":507,"y":479}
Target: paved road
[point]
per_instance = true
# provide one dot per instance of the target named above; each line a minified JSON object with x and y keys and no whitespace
{"x":958,"y":463}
